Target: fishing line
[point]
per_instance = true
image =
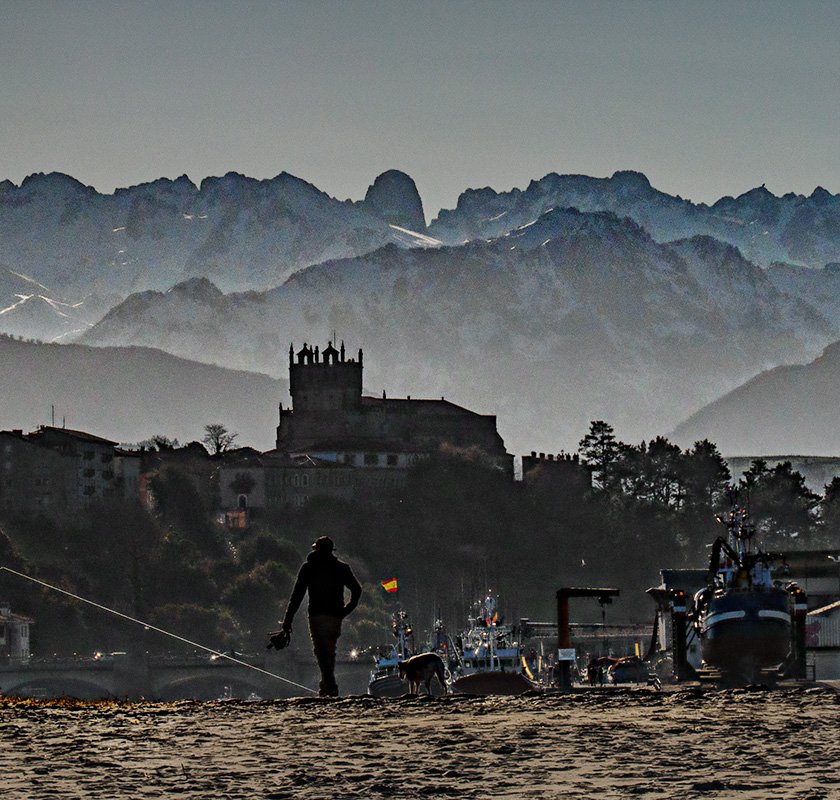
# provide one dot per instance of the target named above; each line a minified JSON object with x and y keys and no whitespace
{"x":149,"y":626}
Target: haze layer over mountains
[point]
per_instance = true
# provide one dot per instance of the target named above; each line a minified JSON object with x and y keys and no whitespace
{"x":575,"y":299}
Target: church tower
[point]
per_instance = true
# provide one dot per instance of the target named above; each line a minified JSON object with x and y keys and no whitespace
{"x":326,"y":389}
{"x":325,"y":381}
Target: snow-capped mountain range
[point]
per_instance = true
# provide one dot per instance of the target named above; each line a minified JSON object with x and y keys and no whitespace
{"x":240,"y":232}
{"x":574,"y":317}
{"x":792,"y":229}
{"x":575,"y":299}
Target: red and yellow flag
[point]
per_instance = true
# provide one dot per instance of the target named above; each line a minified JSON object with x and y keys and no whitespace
{"x":390,"y":586}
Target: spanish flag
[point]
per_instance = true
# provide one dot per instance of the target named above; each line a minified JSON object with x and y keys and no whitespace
{"x":390,"y":586}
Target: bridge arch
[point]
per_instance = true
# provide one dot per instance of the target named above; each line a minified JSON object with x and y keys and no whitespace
{"x":203,"y":686}
{"x":59,"y":686}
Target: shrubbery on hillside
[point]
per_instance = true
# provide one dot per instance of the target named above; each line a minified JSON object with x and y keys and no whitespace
{"x":455,"y":530}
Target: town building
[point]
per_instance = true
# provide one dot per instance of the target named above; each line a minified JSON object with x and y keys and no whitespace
{"x":56,"y":471}
{"x":563,"y":475}
{"x":14,"y":635}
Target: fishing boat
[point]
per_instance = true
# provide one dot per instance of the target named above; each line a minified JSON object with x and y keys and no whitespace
{"x":742,"y":615}
{"x":385,"y":678}
{"x":488,"y":655}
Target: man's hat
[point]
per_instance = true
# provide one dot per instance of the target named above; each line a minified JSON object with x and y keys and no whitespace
{"x":323,"y":545}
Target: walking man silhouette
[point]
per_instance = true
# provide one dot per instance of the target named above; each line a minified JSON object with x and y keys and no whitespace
{"x":325,"y":578}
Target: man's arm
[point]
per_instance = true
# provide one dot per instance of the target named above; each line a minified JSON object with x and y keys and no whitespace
{"x":355,"y":591}
{"x":296,"y":598}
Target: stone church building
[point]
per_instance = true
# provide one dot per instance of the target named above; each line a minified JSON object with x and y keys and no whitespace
{"x":335,"y":441}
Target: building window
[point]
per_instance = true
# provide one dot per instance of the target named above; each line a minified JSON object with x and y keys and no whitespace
{"x":371,"y":459}
{"x":392,"y":460}
{"x":89,"y":455}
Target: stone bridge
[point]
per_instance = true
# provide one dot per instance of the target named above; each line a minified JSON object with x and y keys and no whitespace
{"x":149,"y":677}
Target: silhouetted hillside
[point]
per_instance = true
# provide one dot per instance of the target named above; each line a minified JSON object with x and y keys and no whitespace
{"x":790,"y":409}
{"x":132,"y":393}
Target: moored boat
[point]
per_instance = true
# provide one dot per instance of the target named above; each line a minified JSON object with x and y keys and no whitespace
{"x":743,"y":618}
{"x":385,"y":679}
{"x":488,"y":656}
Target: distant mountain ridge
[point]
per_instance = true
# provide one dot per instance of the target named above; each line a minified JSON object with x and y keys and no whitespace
{"x":86,"y":248}
{"x":788,"y":409}
{"x":576,"y":316}
{"x":575,"y":298}
{"x":765,"y":228}
{"x":240,"y":232}
{"x":33,"y":311}
{"x":129,"y":394}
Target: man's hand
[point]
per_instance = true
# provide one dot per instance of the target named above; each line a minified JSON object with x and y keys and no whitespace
{"x":279,"y":639}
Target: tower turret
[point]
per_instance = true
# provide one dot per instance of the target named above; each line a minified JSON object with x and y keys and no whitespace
{"x":324,"y":384}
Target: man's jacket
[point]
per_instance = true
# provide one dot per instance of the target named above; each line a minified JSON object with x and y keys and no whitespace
{"x":325,"y":577}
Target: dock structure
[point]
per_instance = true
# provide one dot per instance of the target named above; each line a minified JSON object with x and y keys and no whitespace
{"x":565,"y":651}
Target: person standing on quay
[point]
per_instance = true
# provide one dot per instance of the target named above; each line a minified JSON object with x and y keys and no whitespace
{"x":325,"y":577}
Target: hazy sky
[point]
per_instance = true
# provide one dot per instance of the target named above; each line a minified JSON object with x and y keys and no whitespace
{"x":707,"y":99}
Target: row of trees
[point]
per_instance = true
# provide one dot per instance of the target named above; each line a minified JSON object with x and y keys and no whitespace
{"x":217,"y":439}
{"x":697,"y":483}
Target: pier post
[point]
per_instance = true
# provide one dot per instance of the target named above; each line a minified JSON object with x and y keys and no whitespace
{"x":679,"y":635}
{"x":798,"y":614}
{"x":563,"y":673}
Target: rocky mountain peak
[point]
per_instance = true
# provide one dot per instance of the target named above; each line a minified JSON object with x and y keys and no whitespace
{"x":200,"y":289}
{"x":394,"y":196}
{"x":565,"y":222}
{"x":636,"y":181}
{"x":761,"y":194}
{"x":821,"y":197}
{"x":54,"y":184}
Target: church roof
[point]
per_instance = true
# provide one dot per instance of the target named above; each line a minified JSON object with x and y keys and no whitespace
{"x":425,"y":406}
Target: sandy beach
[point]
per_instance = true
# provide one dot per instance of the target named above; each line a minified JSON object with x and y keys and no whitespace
{"x":681,"y":743}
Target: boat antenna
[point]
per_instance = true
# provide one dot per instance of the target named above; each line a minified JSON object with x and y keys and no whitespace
{"x":149,"y":626}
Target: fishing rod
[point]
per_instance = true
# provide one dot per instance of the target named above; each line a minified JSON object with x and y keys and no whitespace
{"x":149,"y":626}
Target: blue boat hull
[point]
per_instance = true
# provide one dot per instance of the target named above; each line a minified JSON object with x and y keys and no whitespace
{"x":743,"y":633}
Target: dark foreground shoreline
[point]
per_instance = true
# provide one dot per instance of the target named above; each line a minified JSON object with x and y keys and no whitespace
{"x":681,"y":743}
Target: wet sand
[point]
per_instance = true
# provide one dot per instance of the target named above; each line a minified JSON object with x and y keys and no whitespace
{"x":684,"y":743}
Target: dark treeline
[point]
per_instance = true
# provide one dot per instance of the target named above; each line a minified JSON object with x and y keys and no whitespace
{"x":458,"y":528}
